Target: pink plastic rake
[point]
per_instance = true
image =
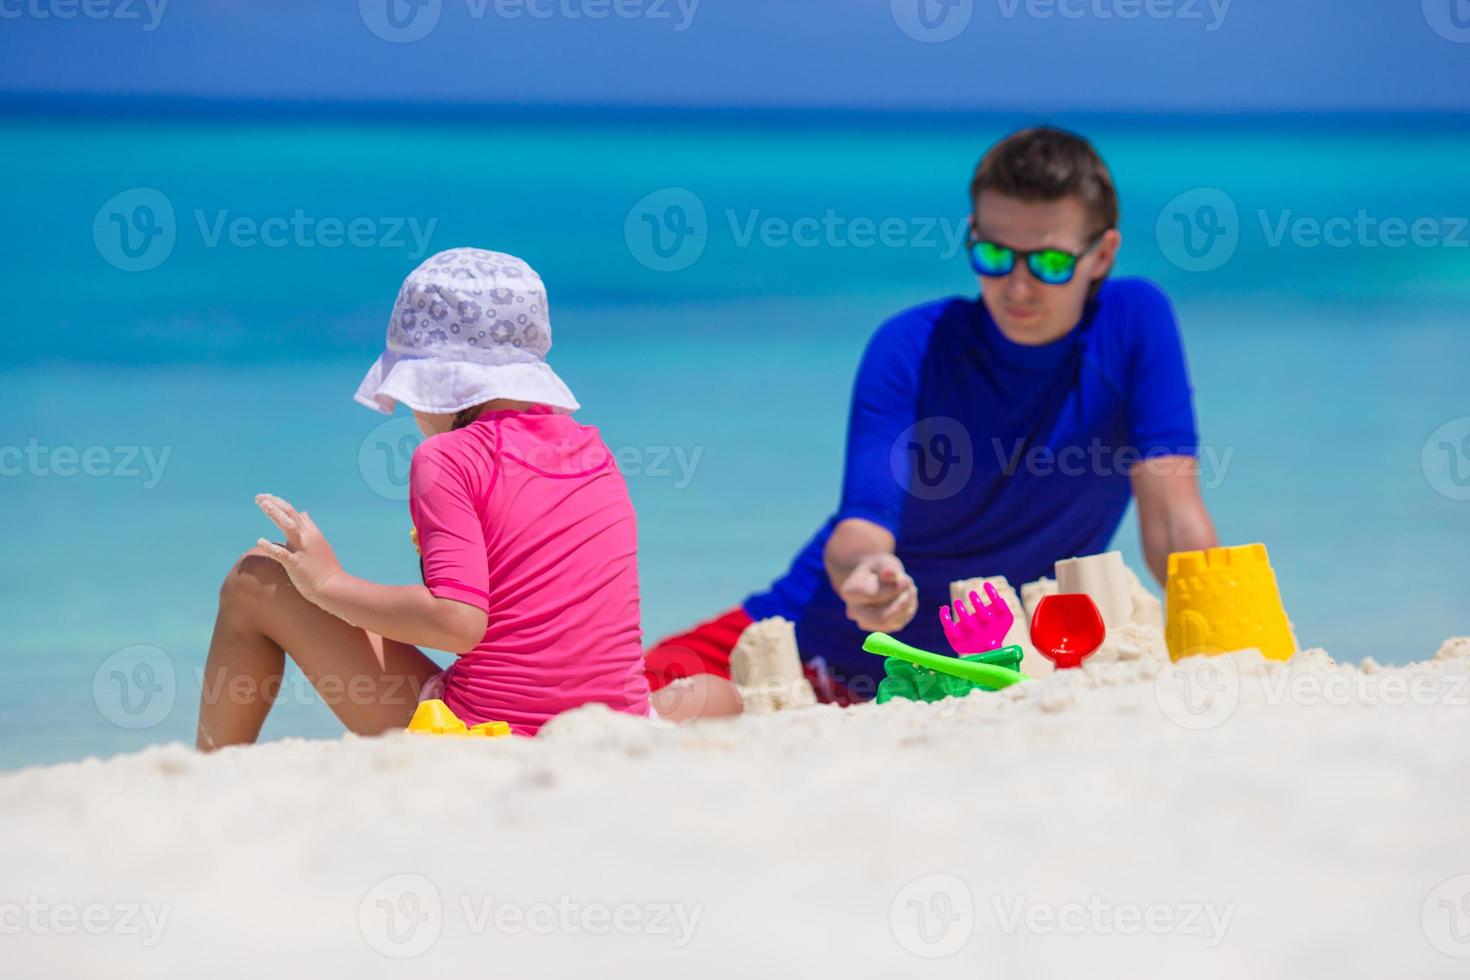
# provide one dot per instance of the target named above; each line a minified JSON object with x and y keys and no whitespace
{"x":980,"y":631}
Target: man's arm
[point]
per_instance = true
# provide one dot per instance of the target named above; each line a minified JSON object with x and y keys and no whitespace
{"x":864,"y":571}
{"x":860,"y":556}
{"x":1171,"y":510}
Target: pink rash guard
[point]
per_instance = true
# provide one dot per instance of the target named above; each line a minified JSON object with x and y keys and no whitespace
{"x":526,"y":516}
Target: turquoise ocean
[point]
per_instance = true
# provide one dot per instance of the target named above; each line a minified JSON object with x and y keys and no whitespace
{"x":192,"y":301}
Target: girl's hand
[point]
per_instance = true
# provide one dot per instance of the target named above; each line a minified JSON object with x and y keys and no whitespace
{"x":306,"y":556}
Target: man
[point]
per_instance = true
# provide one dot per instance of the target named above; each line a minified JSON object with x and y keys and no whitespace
{"x":988,"y":436}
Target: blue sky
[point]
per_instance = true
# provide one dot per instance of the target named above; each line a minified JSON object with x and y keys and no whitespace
{"x":1056,"y":55}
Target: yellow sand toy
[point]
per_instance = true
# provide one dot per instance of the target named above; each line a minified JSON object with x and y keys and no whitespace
{"x":1225,"y":599}
{"x":434,"y":717}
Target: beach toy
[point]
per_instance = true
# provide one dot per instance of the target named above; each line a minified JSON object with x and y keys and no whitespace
{"x":1105,"y":579}
{"x":1016,"y":636}
{"x":976,"y":670}
{"x":1067,"y":628}
{"x":1225,"y":599}
{"x":434,"y":717}
{"x":915,"y":683}
{"x":979,"y":631}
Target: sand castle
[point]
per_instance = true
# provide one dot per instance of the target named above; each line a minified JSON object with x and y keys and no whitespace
{"x":766,"y":667}
{"x":1218,"y":601}
{"x":1104,"y":579}
{"x":1134,"y":615}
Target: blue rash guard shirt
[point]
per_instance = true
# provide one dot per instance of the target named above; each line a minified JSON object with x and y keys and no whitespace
{"x":987,"y":457}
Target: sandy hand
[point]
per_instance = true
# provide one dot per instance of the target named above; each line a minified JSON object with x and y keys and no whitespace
{"x":306,"y":556}
{"x":879,"y":594}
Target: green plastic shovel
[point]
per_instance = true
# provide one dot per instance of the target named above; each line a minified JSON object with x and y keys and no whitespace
{"x":989,"y":675}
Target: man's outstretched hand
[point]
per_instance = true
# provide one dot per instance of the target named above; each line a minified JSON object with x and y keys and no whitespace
{"x":879,"y":594}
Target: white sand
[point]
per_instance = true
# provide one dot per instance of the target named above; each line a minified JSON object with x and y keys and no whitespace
{"x":1290,"y":839}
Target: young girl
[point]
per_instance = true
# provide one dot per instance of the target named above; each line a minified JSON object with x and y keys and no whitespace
{"x":525,"y":530}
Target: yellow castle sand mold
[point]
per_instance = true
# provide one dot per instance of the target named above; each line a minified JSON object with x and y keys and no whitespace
{"x":1225,"y":599}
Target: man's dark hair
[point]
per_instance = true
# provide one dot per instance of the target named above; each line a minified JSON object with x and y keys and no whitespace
{"x":1047,"y":164}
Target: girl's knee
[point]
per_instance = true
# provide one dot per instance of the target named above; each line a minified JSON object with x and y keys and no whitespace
{"x":695,"y":697}
{"x":252,"y":578}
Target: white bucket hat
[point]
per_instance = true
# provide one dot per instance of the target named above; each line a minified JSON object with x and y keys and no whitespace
{"x":468,"y":326}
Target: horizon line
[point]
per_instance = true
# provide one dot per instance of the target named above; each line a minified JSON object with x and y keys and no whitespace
{"x":138,"y":105}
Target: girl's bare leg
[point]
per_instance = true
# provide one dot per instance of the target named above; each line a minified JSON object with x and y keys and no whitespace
{"x":697,"y":697}
{"x":371,"y":683}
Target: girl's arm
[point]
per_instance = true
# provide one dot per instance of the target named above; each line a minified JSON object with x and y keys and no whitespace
{"x":408,"y":613}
